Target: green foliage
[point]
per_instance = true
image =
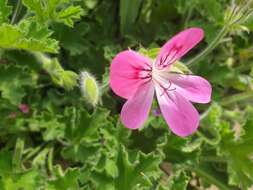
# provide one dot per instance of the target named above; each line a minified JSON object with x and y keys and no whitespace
{"x":54,"y":10}
{"x":10,"y":179}
{"x":5,"y":11}
{"x":129,"y":10}
{"x":61,"y":77}
{"x":178,"y":181}
{"x":27,"y":36}
{"x":64,"y":180}
{"x":134,"y":174}
{"x":238,"y":153}
{"x":13,"y":80}
{"x":64,"y":143}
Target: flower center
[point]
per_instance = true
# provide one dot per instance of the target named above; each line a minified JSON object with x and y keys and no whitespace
{"x":161,"y":79}
{"x":145,"y":74}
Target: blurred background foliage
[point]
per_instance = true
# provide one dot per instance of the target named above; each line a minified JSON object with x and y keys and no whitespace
{"x":60,"y":127}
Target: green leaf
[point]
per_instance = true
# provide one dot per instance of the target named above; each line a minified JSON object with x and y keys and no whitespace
{"x":50,"y":123}
{"x":179,"y":180}
{"x":238,"y":153}
{"x":12,"y":180}
{"x":67,"y":16}
{"x":12,"y":83}
{"x":152,"y":53}
{"x":27,"y":36}
{"x":180,"y":150}
{"x":5,"y":11}
{"x":135,"y":171}
{"x":83,"y":132}
{"x":129,"y":10}
{"x":29,"y":180}
{"x":54,"y":10}
{"x":72,"y":40}
{"x":64,"y":180}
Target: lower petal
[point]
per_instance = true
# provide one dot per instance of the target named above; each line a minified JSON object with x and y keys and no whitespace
{"x":135,"y":111}
{"x":179,"y":113}
{"x":193,"y":88}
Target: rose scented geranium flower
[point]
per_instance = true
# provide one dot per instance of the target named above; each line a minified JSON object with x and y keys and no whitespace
{"x":137,"y":78}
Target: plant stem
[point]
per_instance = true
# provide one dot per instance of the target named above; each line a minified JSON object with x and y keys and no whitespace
{"x":50,"y":160}
{"x":213,"y":159}
{"x":236,"y":98}
{"x":17,"y":10}
{"x":210,"y":47}
{"x":188,"y":16}
{"x":17,"y":158}
{"x":202,"y":173}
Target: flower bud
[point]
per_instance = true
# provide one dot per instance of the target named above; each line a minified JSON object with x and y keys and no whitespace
{"x":90,"y":88}
{"x":64,"y":78}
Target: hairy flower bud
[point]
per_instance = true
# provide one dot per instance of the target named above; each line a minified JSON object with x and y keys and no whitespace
{"x":90,"y":88}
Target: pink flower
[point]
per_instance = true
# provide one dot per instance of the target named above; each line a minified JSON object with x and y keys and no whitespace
{"x":137,"y":78}
{"x":24,"y":108}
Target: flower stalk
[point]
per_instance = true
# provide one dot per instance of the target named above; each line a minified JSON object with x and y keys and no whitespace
{"x":61,"y":77}
{"x":234,"y":18}
{"x":223,"y":32}
{"x":237,"y":98}
{"x":202,"y":173}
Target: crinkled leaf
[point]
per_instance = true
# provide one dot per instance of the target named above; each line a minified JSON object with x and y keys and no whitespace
{"x":54,"y":10}
{"x":5,"y":11}
{"x":12,"y":83}
{"x":239,"y":155}
{"x":179,"y":180}
{"x":83,"y":132}
{"x":10,"y":179}
{"x":64,"y":180}
{"x":27,"y":36}
{"x":135,"y":171}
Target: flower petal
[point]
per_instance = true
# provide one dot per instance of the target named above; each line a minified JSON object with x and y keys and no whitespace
{"x":193,"y":88}
{"x":179,"y":45}
{"x":135,"y":111}
{"x":124,"y":79}
{"x":179,"y":113}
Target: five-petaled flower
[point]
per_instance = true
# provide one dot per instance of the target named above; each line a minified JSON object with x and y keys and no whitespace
{"x":137,"y":78}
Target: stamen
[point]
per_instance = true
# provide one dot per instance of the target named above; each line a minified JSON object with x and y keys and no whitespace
{"x":168,"y":89}
{"x":145,"y":73}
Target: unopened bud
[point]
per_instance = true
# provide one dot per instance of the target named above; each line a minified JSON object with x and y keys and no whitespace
{"x":89,"y":88}
{"x":61,"y":77}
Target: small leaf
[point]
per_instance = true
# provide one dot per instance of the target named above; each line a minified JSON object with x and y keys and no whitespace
{"x":129,"y":10}
{"x":5,"y":11}
{"x":67,"y":180}
{"x":69,"y":15}
{"x":54,"y":10}
{"x":21,"y":37}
